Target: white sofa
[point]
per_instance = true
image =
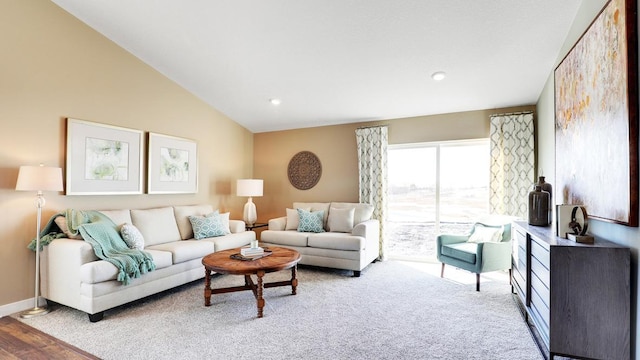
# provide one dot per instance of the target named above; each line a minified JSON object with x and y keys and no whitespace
{"x":340,"y":246}
{"x":72,"y":275}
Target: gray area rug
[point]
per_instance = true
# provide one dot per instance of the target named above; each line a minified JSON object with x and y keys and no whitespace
{"x":395,"y":310}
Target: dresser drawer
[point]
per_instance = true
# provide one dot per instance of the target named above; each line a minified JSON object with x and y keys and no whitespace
{"x":520,"y":238}
{"x":539,"y":270}
{"x":540,"y":316}
{"x":519,"y":285}
{"x":542,"y":289}
{"x":519,"y":260}
{"x":540,"y":253}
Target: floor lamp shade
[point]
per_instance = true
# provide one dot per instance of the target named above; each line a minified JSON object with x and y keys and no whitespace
{"x":38,"y":178}
{"x":250,"y":188}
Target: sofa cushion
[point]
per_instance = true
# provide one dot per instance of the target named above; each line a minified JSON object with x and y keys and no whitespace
{"x":284,"y":237}
{"x":315,"y":207}
{"x":233,"y":240}
{"x":101,"y":270}
{"x":118,"y":217}
{"x":465,"y":251}
{"x":363,"y":212}
{"x":214,"y":224}
{"x":132,"y":236}
{"x":182,"y":214}
{"x":185,"y":250}
{"x":336,"y":241}
{"x":340,"y":220}
{"x":310,"y":221}
{"x":158,"y":226}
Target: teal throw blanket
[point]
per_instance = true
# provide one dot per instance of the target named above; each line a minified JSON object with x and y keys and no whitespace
{"x":99,"y":231}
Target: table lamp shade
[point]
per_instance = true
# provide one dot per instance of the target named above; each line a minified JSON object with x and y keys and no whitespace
{"x":249,"y":187}
{"x":39,"y":178}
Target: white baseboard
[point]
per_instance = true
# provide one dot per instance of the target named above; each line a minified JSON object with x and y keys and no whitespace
{"x":26,"y":304}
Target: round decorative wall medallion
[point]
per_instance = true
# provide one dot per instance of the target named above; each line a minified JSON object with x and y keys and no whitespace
{"x":304,"y":170}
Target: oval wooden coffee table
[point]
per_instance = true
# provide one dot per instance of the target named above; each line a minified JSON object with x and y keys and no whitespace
{"x":221,"y":262}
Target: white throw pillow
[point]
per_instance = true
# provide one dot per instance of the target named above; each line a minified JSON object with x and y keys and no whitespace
{"x":486,"y":234}
{"x":363,"y":211}
{"x":293,"y":219}
{"x":132,"y":236}
{"x":341,"y":220}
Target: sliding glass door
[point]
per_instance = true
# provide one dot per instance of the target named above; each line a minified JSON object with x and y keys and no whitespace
{"x":434,"y":188}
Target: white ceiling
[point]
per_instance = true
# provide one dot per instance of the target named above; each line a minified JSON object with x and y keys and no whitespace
{"x":341,"y":61}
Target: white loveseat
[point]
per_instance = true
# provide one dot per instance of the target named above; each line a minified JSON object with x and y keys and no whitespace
{"x":72,"y":275}
{"x":350,"y":239}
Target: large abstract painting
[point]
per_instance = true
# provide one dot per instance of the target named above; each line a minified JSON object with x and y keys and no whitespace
{"x":103,"y":159}
{"x":596,"y":118}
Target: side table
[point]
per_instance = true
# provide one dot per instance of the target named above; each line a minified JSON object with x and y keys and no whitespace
{"x":255,"y":226}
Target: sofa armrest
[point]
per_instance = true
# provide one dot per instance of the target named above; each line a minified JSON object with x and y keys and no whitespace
{"x":237,"y":226}
{"x":367,"y":229}
{"x":61,"y":262}
{"x":278,"y":223}
{"x":496,"y":256}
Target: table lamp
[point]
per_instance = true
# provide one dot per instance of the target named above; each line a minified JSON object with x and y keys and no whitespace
{"x":250,"y":188}
{"x":38,"y":178}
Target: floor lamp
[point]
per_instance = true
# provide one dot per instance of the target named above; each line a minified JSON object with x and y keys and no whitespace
{"x":250,"y":188}
{"x":38,"y":178}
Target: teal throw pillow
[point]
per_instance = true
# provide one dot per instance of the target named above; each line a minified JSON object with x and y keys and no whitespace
{"x":210,"y":225}
{"x":310,"y":221}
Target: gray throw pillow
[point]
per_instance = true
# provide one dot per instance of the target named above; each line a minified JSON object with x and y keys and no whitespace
{"x":132,"y":236}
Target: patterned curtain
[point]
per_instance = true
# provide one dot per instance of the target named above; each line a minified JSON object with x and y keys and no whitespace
{"x":512,"y":163}
{"x":372,"y":159}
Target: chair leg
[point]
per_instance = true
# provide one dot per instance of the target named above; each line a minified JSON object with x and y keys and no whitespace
{"x":442,"y":271}
{"x":477,"y":282}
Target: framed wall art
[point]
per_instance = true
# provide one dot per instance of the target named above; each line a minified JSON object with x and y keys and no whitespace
{"x":596,"y":124}
{"x":173,"y":165}
{"x":103,"y":159}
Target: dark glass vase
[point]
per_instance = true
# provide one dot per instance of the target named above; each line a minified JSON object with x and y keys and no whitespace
{"x":539,"y":205}
{"x":545,"y":187}
{"x":548,"y":188}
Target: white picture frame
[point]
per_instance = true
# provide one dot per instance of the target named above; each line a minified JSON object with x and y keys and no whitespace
{"x":172,"y":165}
{"x":103,"y":159}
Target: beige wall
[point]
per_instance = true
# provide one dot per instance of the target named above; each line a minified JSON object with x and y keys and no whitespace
{"x":335,"y":146}
{"x":53,"y":66}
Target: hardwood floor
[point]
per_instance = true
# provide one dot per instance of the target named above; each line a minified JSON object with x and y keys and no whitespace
{"x":21,"y":341}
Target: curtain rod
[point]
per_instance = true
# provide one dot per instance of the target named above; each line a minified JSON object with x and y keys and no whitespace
{"x":372,"y":126}
{"x":514,"y":113}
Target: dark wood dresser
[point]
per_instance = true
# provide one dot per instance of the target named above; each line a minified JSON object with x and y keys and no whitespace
{"x":577,"y":296}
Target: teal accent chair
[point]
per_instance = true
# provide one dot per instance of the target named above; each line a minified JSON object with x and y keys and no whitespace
{"x":455,"y":250}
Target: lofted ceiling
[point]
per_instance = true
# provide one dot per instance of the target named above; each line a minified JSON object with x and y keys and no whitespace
{"x":341,"y":61}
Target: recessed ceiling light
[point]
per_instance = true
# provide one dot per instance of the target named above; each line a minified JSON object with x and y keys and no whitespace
{"x":275,"y":102}
{"x":438,"y":75}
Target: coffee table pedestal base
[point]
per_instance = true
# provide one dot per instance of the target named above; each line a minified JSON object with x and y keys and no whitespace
{"x":257,"y":288}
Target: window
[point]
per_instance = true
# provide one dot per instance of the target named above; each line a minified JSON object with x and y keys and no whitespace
{"x":434,"y":188}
